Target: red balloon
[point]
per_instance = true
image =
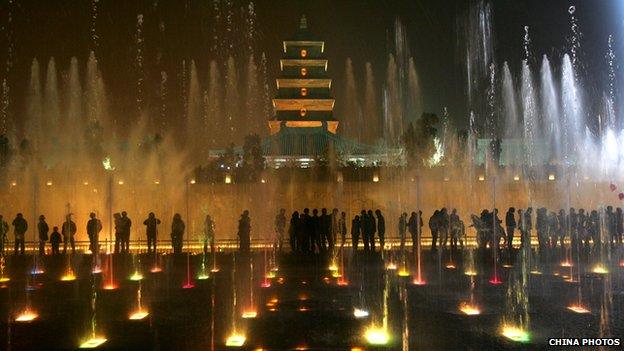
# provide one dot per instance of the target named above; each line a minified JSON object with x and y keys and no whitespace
{"x":621,"y":196}
{"x":612,"y":187}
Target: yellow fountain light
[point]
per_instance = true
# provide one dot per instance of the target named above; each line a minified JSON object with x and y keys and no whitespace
{"x":235,"y":340}
{"x":578,"y":308}
{"x":391,"y":266}
{"x":336,"y":274}
{"x":360,"y":313}
{"x":469,"y":309}
{"x":506,"y":265}
{"x":536,"y":272}
{"x":121,"y":182}
{"x":249,"y":314}
{"x":137,"y":276}
{"x":68,"y":276}
{"x":470,"y":273}
{"x":403,"y":272}
{"x":515,"y":334}
{"x":600,"y":269}
{"x":156,"y":269}
{"x":93,"y":342}
{"x":450,"y":266}
{"x":333,"y":267}
{"x":27,"y":315}
{"x":138,"y":315}
{"x":270,"y":275}
{"x":4,"y":279}
{"x":203,"y":276}
{"x":516,"y":178}
{"x":551,"y":176}
{"x":566,"y":263}
{"x":481,"y":177}
{"x":376,"y":336}
{"x":193,"y":181}
{"x":49,"y":183}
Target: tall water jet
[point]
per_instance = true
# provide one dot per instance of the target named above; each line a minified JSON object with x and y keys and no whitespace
{"x":392,"y":104}
{"x":253,"y":95}
{"x":214,"y":102}
{"x":550,"y":111}
{"x":139,"y":65}
{"x":33,"y":130}
{"x":73,"y":111}
{"x":510,"y":112}
{"x":51,"y":100}
{"x":415,"y":103}
{"x":352,"y":126}
{"x":231,"y":101}
{"x":371,"y":112}
{"x":573,"y":122}
{"x":194,"y":123}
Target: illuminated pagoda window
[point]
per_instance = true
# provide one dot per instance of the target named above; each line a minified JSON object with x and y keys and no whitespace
{"x":304,"y":91}
{"x":303,"y":112}
{"x":304,"y":53}
{"x":304,"y":71}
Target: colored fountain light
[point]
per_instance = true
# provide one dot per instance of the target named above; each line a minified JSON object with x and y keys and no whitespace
{"x":342,"y":281}
{"x":4,"y":279}
{"x":138,"y":315}
{"x":359,"y":313}
{"x":156,"y":269}
{"x":93,"y":342}
{"x":403,"y":272}
{"x":249,"y":314}
{"x":508,"y":265}
{"x":566,"y":264}
{"x":450,"y":266}
{"x":336,"y":274}
{"x":495,"y":281}
{"x":136,"y":276}
{"x":270,"y":275}
{"x":469,"y":309}
{"x":265,"y":284}
{"x":203,"y":276}
{"x":391,"y":266}
{"x":37,"y":271}
{"x":68,"y":276}
{"x":536,"y":272}
{"x":470,"y":273}
{"x":515,"y":334}
{"x":188,"y":285}
{"x":214,"y":270}
{"x":600,"y":269}
{"x":377,"y":336}
{"x":110,"y":286}
{"x":578,"y":308}
{"x":27,"y":315}
{"x":97,"y":270}
{"x":419,"y":282}
{"x":333,"y":267}
{"x":235,"y":340}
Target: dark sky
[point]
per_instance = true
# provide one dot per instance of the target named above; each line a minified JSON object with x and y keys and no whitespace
{"x":359,"y":29}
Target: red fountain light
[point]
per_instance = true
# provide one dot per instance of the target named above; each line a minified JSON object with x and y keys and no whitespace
{"x":419,"y":281}
{"x":495,"y":281}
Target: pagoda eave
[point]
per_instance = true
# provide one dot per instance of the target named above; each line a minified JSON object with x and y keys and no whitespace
{"x":298,"y":43}
{"x":303,"y":83}
{"x":303,"y":63}
{"x":308,"y":104}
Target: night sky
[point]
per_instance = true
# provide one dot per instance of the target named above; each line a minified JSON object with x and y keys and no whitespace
{"x":359,"y":29}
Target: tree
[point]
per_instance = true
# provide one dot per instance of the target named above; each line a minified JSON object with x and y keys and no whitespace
{"x":418,"y":140}
{"x":253,"y":158}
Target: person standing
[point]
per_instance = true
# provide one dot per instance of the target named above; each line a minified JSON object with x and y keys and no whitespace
{"x":307,"y":232}
{"x":510,"y":224}
{"x":402,"y":229}
{"x":43,"y":229}
{"x":434,"y":227}
{"x":619,"y":225}
{"x":151,"y":231}
{"x":118,"y":231}
{"x":356,"y":228}
{"x":94,"y":227}
{"x":381,"y":230}
{"x":364,"y":229}
{"x":443,"y":227}
{"x":68,"y":230}
{"x":55,"y":240}
{"x":334,"y":229}
{"x":315,"y":222}
{"x":454,"y":228}
{"x":126,"y":224}
{"x":177,"y":233}
{"x":372,"y":229}
{"x":342,"y":225}
{"x":414,"y":225}
{"x":280,"y":229}
{"x":20,"y":226}
{"x":4,"y":231}
{"x":244,"y":232}
{"x":209,"y":235}
{"x":293,"y":232}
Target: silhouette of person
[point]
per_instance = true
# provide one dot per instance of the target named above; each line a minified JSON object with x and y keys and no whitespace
{"x":126,"y":224}
{"x":20,"y":226}
{"x":454,"y":228}
{"x":118,"y":231}
{"x":619,"y":225}
{"x":402,"y":229}
{"x":151,"y":231}
{"x":334,"y":229}
{"x":293,"y":232}
{"x":325,"y":228}
{"x":42,"y":229}
{"x":280,"y":229}
{"x":372,"y":229}
{"x":315,"y":222}
{"x":307,"y":231}
{"x":364,"y":229}
{"x":610,"y":223}
{"x":177,"y":233}
{"x":510,"y":224}
{"x":94,"y":226}
{"x":55,"y":240}
{"x":244,"y":232}
{"x":209,"y":235}
{"x":563,"y":227}
{"x":342,"y":225}
{"x":381,"y":230}
{"x":414,"y":225}
{"x":4,"y":231}
{"x":68,"y":230}
{"x":356,"y":231}
{"x":443,"y":226}
{"x":434,"y":228}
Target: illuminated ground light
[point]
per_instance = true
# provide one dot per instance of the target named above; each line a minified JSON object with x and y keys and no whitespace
{"x":359,"y":313}
{"x":93,"y":342}
{"x":496,"y":281}
{"x":4,"y":279}
{"x":138,"y":315}
{"x":336,"y":274}
{"x":536,"y":272}
{"x":333,"y":267}
{"x":403,"y":272}
{"x":37,"y":271}
{"x":214,"y":270}
{"x":270,"y":275}
{"x":188,"y":285}
{"x":566,"y":264}
{"x":97,"y":270}
{"x":203,"y":276}
{"x":235,"y":340}
{"x":303,"y":297}
{"x":250,"y":314}
{"x":303,"y":309}
{"x":110,"y":286}
{"x":508,"y":265}
{"x":515,"y":334}
{"x":391,"y":266}
{"x":68,"y":276}
{"x":600,"y":269}
{"x":26,"y":316}
{"x":376,"y":336}
{"x":469,"y":309}
{"x":342,"y":282}
{"x":266,"y":284}
{"x":450,"y":266}
{"x":156,"y":269}
{"x":419,"y":282}
{"x":136,"y":276}
{"x":578,"y":308}
{"x":470,"y":273}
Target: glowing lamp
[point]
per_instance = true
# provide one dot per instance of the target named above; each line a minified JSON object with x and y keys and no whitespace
{"x":4,"y":279}
{"x":156,"y":269}
{"x":250,"y":314}
{"x":551,"y":176}
{"x":450,"y":266}
{"x":137,"y":276}
{"x":235,"y":340}
{"x":336,"y":274}
{"x":85,"y":183}
{"x":516,"y":178}
{"x":376,"y":336}
{"x":110,"y":286}
{"x":121,"y":182}
{"x":214,"y":270}
{"x":188,"y":285}
{"x":342,"y":282}
{"x":578,"y":309}
{"x":333,"y":267}
{"x":192,"y":181}
{"x":515,"y":334}
{"x":37,"y":271}
{"x":495,"y":281}
{"x":93,"y":342}
{"x":481,"y":178}
{"x":228,"y":179}
{"x":270,"y":275}
{"x":49,"y":183}
{"x":566,"y":264}
{"x":358,"y":313}
{"x":303,"y":309}
{"x":157,"y":182}
{"x":469,"y":309}
{"x":375,"y":178}
{"x":96,"y":270}
{"x":536,"y":272}
{"x":403,"y":272}
{"x":27,"y":315}
{"x":13,"y":183}
{"x":600,"y":269}
{"x":138,"y":315}
{"x":506,"y":265}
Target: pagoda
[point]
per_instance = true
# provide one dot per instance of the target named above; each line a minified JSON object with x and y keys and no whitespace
{"x":303,"y":123}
